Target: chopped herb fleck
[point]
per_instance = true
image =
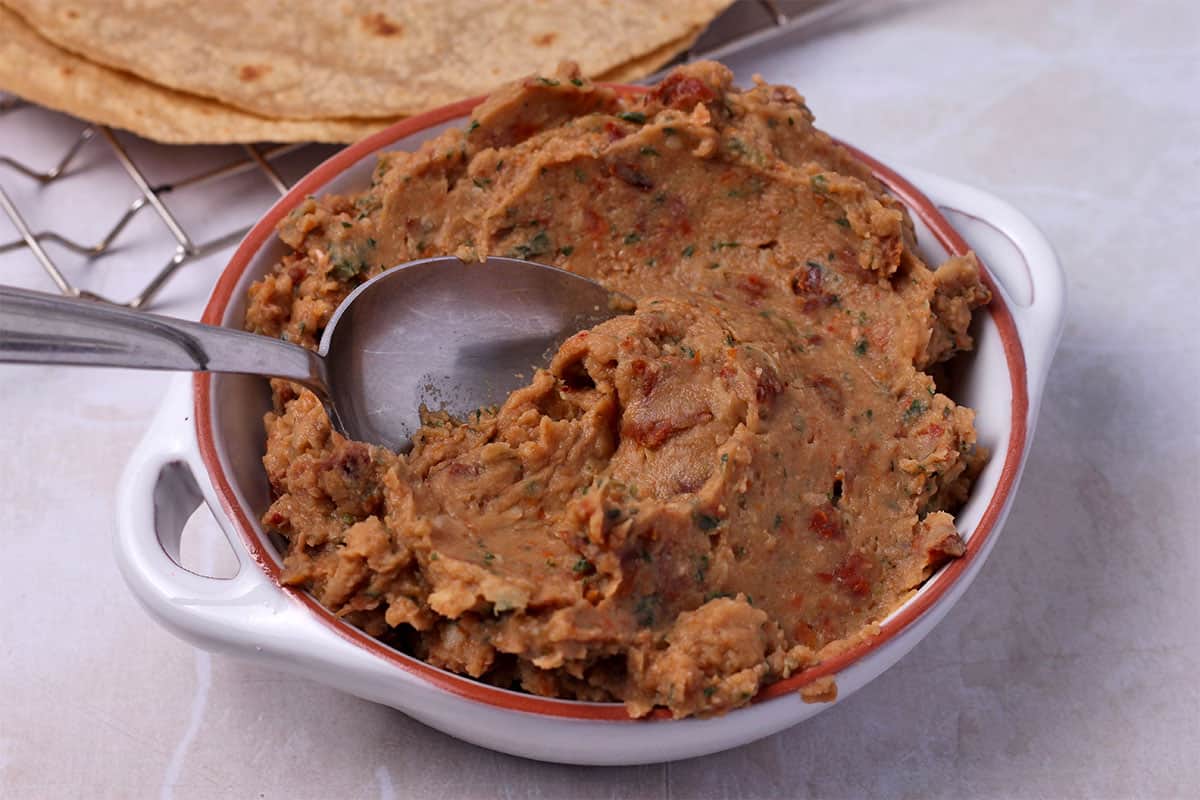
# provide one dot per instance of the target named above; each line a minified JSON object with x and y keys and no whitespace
{"x":633,"y":237}
{"x":724,"y":245}
{"x":488,"y":557}
{"x":645,"y":609}
{"x":705,"y":522}
{"x":547,"y":82}
{"x":580,"y":176}
{"x":860,"y":347}
{"x":347,"y":224}
{"x":538,"y":245}
{"x":576,"y":82}
{"x":777,"y":523}
{"x":649,"y":151}
{"x":566,"y":251}
{"x":845,"y":223}
{"x":582,"y":565}
{"x":689,"y":250}
{"x":819,"y":184}
{"x":473,"y":126}
{"x":915,"y":410}
{"x":633,"y":116}
{"x":709,"y":691}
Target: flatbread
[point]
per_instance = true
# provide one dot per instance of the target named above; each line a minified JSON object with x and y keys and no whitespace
{"x":318,"y":59}
{"x":43,"y":73}
{"x":637,"y":68}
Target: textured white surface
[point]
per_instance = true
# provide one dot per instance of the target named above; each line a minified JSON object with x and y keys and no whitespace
{"x":1068,"y":670}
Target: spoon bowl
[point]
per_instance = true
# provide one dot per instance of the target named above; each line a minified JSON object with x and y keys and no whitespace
{"x":447,"y":335}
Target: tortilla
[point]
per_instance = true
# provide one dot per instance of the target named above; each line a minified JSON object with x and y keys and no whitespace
{"x":43,"y":73}
{"x":304,"y":60}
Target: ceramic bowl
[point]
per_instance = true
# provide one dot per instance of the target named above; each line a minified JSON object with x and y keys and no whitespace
{"x":206,"y":443}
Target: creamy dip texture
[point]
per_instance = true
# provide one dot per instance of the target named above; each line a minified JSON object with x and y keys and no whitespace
{"x":727,"y":485}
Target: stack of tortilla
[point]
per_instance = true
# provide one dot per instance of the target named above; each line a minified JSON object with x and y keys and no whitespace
{"x":182,"y":71}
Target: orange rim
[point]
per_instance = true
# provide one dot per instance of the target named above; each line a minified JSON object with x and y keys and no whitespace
{"x":933,"y":590}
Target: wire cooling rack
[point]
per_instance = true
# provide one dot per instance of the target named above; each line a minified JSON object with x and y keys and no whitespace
{"x":745,"y":24}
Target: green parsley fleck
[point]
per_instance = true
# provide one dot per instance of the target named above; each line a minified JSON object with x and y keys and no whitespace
{"x":538,"y":245}
{"x":582,"y":566}
{"x":576,"y":82}
{"x":649,"y":151}
{"x":860,"y":347}
{"x":473,"y":126}
{"x":689,"y":250}
{"x":645,"y":609}
{"x":915,"y":410}
{"x":705,"y":522}
{"x":633,"y":237}
{"x":547,"y":82}
{"x":633,"y":116}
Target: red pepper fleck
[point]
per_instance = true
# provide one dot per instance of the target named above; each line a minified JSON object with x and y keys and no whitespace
{"x":753,"y":285}
{"x":768,"y":386}
{"x":853,"y":574}
{"x":682,"y":92}
{"x":825,"y":523}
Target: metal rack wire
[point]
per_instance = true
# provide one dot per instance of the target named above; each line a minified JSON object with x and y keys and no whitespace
{"x":748,"y":23}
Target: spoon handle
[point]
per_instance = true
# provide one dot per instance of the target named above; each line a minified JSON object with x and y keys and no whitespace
{"x":37,"y":328}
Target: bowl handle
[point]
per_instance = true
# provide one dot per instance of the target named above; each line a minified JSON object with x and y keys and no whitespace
{"x":159,"y":491}
{"x":1019,"y":258}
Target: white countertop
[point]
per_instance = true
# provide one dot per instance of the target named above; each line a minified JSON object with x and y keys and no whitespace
{"x":1070,"y":667}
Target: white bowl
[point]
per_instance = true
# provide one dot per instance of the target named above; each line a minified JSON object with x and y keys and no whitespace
{"x":206,"y":443}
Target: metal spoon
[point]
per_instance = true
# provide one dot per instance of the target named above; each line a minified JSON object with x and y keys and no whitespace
{"x":456,"y":336}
